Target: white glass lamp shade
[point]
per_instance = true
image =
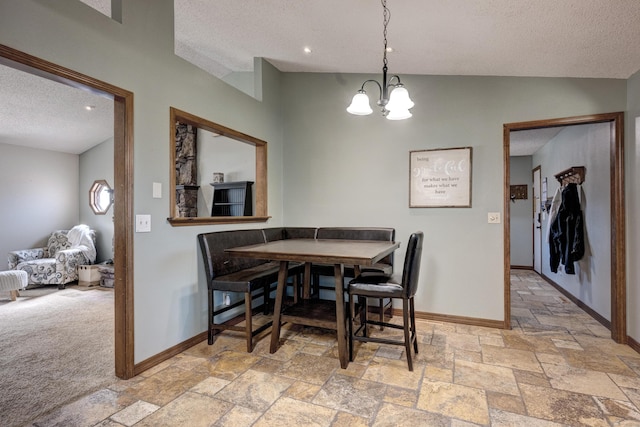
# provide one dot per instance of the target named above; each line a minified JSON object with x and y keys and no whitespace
{"x":399,"y":99}
{"x":398,"y":114}
{"x":360,"y":104}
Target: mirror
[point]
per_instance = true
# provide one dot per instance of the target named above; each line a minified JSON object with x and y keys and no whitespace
{"x":217,"y":175}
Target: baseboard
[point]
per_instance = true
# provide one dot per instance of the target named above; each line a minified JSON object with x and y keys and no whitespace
{"x":591,"y":312}
{"x":473,"y":321}
{"x":149,"y":363}
{"x":521,"y":267}
{"x":635,"y":345}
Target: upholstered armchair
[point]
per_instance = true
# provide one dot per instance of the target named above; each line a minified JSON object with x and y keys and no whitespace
{"x":55,"y":264}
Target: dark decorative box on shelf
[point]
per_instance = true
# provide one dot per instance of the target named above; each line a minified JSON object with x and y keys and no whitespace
{"x":232,"y":198}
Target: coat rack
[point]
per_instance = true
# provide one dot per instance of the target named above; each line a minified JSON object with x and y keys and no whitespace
{"x":574,"y":174}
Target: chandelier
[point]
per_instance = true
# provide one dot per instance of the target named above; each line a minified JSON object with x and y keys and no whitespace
{"x":394,"y":99}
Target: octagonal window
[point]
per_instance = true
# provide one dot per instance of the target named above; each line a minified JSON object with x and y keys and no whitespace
{"x":100,"y":197}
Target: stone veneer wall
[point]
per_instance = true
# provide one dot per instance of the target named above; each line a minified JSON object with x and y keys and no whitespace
{"x":186,"y":171}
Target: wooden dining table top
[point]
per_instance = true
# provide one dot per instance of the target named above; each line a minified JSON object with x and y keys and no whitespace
{"x":328,"y":251}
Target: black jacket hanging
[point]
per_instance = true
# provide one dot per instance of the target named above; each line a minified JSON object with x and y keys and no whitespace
{"x":566,"y":237}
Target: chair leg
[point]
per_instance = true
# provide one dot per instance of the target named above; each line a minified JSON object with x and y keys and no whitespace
{"x":316,"y":285}
{"x":381,"y":304}
{"x":211,"y":305}
{"x":352,"y":310}
{"x":405,"y":323}
{"x":247,"y":321}
{"x":296,"y":286}
{"x":363,"y":315}
{"x":265,"y":298}
{"x":414,"y":335}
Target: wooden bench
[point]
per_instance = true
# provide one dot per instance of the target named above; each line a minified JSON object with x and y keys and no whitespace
{"x":227,"y":274}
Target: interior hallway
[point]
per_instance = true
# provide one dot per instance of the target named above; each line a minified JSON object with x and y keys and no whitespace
{"x":557,"y":366}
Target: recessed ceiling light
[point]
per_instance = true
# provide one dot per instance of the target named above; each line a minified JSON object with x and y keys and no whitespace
{"x":307,"y":50}
{"x":89,"y":107}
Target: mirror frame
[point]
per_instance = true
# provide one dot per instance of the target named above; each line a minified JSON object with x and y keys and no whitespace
{"x":260,"y":186}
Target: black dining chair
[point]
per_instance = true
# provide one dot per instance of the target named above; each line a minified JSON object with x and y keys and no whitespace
{"x":397,"y":286}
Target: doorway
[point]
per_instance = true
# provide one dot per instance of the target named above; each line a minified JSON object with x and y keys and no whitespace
{"x":123,"y":194}
{"x":617,"y":225}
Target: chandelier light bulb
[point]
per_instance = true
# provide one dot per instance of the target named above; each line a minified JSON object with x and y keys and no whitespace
{"x":399,"y":114}
{"x":360,"y":104}
{"x":399,"y":98}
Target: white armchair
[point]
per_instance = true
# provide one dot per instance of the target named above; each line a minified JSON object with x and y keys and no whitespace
{"x":55,"y":264}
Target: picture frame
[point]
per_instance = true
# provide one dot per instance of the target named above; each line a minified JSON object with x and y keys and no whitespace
{"x":440,"y":178}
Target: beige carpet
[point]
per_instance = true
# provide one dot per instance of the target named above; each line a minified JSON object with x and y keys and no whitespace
{"x":55,"y":346}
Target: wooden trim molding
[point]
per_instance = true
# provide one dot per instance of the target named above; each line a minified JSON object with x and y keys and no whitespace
{"x":591,"y":312}
{"x":618,"y":242}
{"x":635,"y":345}
{"x":169,"y":353}
{"x":521,"y":267}
{"x":123,"y":190}
{"x":472,"y":321}
{"x":260,"y":185}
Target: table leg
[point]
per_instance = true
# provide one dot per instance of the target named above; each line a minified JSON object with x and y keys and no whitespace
{"x":343,"y":352}
{"x":277,"y":310}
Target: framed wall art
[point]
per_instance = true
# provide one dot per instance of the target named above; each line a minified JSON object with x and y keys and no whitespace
{"x":440,"y":178}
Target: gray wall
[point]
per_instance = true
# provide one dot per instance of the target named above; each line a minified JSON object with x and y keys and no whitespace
{"x":38,"y":194}
{"x":138,"y":55}
{"x":325,"y":167}
{"x":97,"y":163}
{"x":585,"y":145}
{"x":522,"y":213}
{"x":349,"y":170}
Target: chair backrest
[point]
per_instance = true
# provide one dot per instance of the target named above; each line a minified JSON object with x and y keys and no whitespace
{"x":219,"y":263}
{"x":360,"y":233}
{"x":411,"y":270}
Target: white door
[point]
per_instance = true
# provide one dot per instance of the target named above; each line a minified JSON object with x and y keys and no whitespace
{"x":537,"y":222}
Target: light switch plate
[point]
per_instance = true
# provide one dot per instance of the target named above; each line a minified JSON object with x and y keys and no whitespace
{"x":493,"y":218}
{"x":157,"y":190}
{"x":143,"y":223}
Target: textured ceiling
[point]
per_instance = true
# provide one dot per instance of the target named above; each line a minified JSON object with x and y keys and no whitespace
{"x":546,"y":38}
{"x":40,"y":113}
{"x":543,"y":38}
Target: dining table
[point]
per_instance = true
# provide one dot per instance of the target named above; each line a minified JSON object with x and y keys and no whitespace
{"x":316,"y":312}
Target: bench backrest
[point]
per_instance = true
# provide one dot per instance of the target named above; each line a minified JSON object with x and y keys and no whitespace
{"x":300,"y":232}
{"x":219,"y":263}
{"x":360,"y":233}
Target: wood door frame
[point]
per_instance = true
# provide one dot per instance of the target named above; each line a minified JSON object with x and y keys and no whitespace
{"x":123,"y":190}
{"x":533,"y":225}
{"x":618,"y":244}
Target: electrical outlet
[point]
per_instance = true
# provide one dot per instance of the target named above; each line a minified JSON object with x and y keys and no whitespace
{"x":143,"y":223}
{"x":494,"y":218}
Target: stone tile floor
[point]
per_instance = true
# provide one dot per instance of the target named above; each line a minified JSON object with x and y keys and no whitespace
{"x":557,"y":366}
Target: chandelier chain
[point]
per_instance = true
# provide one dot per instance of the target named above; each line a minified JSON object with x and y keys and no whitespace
{"x":386,"y":16}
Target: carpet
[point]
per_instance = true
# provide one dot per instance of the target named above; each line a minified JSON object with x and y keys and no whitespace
{"x":54,"y":348}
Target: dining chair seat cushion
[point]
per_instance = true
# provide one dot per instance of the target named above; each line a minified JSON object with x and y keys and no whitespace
{"x":370,"y":284}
